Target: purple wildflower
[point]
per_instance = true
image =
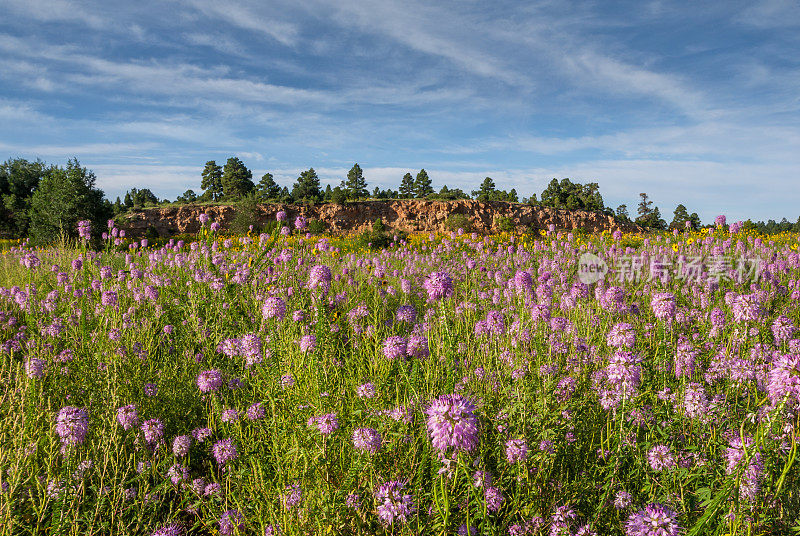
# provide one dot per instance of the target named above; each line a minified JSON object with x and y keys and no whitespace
{"x":406,"y":313}
{"x":127,"y":417}
{"x":438,"y":285}
{"x":622,"y":500}
{"x":782,"y":329}
{"x":366,"y":390}
{"x":621,"y":335}
{"x":71,"y":425}
{"x":308,"y":343}
{"x":494,"y":498}
{"x":663,"y":304}
{"x":367,"y":439}
{"x":34,"y":367}
{"x":516,"y":450}
{"x":181,"y":445}
{"x":209,"y":380}
{"x":452,"y":423}
{"x":783,"y":380}
{"x":177,"y":474}
{"x":393,"y":503}
{"x":326,"y":424}
{"x":394,"y":347}
{"x":292,"y":496}
{"x":654,"y":520}
{"x":230,"y":521}
{"x":660,"y":458}
{"x":201,"y":434}
{"x":173,"y":529}
{"x":417,"y":346}
{"x":319,"y":276}
{"x":256,"y":411}
{"x":85,"y":230}
{"x":230,"y":415}
{"x":153,"y":430}
{"x":224,"y":451}
{"x":746,"y":308}
{"x":274,"y":307}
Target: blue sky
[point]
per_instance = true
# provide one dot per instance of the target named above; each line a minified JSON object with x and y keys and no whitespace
{"x":691,"y":103}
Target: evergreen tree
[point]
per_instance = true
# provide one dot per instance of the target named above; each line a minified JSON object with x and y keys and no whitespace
{"x":307,"y":187}
{"x":237,"y":180}
{"x":422,"y":185}
{"x":187,"y":197}
{"x":572,"y":195}
{"x":407,"y":187}
{"x":19,"y":178}
{"x":487,"y":191}
{"x":338,"y":196}
{"x":644,"y":209}
{"x":328,"y":193}
{"x":135,"y":198}
{"x":681,"y":216}
{"x":212,"y":182}
{"x":655,"y":220}
{"x":356,"y":185}
{"x":268,"y":189}
{"x":649,"y":217}
{"x":64,"y":197}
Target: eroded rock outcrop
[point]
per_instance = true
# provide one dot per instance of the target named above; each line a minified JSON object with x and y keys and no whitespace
{"x":405,"y":215}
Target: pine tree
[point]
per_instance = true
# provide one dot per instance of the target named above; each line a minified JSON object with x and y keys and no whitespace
{"x":681,"y":216}
{"x":487,"y":191}
{"x":307,"y":187}
{"x":356,"y":185}
{"x":237,"y":180}
{"x":622,"y":212}
{"x":268,"y":189}
{"x":422,"y":185}
{"x":644,"y":209}
{"x":212,"y":181}
{"x":407,"y":186}
{"x":512,"y":196}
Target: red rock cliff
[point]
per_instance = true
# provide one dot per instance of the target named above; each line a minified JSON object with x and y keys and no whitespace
{"x":406,"y":215}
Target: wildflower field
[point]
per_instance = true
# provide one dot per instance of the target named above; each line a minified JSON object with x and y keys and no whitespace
{"x":449,"y":384}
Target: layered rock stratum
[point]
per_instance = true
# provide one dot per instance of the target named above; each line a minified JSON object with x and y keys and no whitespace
{"x":411,"y":216}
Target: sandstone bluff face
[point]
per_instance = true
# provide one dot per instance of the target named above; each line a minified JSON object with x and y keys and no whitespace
{"x":407,"y":215}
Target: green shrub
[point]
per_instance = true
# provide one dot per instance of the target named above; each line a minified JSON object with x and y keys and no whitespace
{"x":272,"y":225}
{"x":504,"y":224}
{"x":316,"y":226}
{"x":379,"y":237}
{"x":246,"y":215}
{"x":151,"y":233}
{"x":455,"y":222}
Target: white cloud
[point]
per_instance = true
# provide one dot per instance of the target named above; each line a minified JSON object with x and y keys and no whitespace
{"x":258,"y":17}
{"x":56,"y":11}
